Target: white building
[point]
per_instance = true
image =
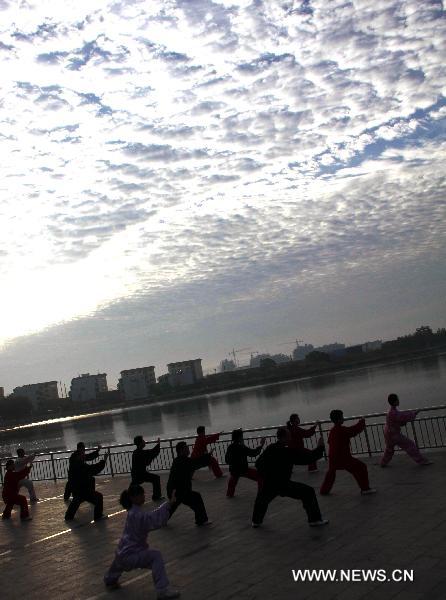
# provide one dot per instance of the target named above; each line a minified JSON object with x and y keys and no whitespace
{"x":86,"y":387}
{"x":185,"y":372}
{"x":370,"y":346}
{"x":227,"y":365}
{"x":39,"y":394}
{"x":135,"y":384}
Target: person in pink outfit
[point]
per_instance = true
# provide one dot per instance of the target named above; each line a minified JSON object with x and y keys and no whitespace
{"x":133,"y":550}
{"x":393,"y":436}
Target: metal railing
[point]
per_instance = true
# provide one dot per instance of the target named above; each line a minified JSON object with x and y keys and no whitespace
{"x":428,"y":432}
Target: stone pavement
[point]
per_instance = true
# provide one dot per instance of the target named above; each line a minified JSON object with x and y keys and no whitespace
{"x":403,"y":526}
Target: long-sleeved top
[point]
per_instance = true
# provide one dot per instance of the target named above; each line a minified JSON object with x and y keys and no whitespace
{"x":339,"y":442}
{"x":11,"y":483}
{"x":237,"y":457}
{"x":275,"y":464}
{"x":297,"y":435}
{"x":82,"y":477}
{"x":137,"y":526}
{"x":181,"y":471}
{"x":20,"y":463}
{"x":201,"y":443}
{"x":76,"y":458}
{"x":140,"y":459}
{"x":396,"y":418}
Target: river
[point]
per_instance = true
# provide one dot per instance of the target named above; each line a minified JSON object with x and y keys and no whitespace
{"x":419,"y":382}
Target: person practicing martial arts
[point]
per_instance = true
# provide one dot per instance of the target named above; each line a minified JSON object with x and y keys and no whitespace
{"x":75,"y":456}
{"x":83,"y":486}
{"x":393,"y":436}
{"x":180,"y":480}
{"x":140,"y":460}
{"x":340,"y":457}
{"x":200,"y":449}
{"x":297,"y":435}
{"x":275,"y":466}
{"x":237,"y":459}
{"x":10,"y":492}
{"x":20,"y":463}
{"x":133,"y":550}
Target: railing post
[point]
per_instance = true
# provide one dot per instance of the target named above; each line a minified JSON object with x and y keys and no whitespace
{"x":414,"y":433}
{"x":321,"y":433}
{"x":171,"y":449}
{"x":1,"y":472}
{"x":53,"y":466}
{"x":367,"y":441}
{"x":112,"y":473}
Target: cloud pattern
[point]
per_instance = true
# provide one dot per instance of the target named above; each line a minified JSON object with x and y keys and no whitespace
{"x":261,"y":149}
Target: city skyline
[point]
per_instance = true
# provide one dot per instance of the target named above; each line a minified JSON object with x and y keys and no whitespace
{"x":184,"y":178}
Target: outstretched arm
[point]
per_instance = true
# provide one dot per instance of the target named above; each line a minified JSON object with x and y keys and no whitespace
{"x":404,"y":416}
{"x":307,"y":433}
{"x":158,"y":518}
{"x":212,"y":438}
{"x":307,"y":457}
{"x":356,"y":428}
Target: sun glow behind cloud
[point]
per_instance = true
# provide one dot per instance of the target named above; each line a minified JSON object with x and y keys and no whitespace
{"x":148,"y":144}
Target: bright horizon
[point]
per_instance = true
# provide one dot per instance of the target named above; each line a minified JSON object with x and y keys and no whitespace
{"x":184,"y":178}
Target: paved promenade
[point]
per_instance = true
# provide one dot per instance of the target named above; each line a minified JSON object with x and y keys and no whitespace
{"x":402,"y":527}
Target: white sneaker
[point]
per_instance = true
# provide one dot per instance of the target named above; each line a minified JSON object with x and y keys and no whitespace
{"x":367,"y":492}
{"x":168,"y":593}
{"x":318,"y":523}
{"x":255,"y":525}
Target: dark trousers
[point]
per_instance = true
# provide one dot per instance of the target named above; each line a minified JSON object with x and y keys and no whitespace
{"x":68,"y":490}
{"x":291,"y":489}
{"x":20,"y":501}
{"x":354,"y":466}
{"x":194,"y":501}
{"x":154,"y":480}
{"x":94,"y":498}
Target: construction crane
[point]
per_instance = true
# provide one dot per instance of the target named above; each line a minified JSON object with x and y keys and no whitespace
{"x":235,"y":352}
{"x":293,"y":342}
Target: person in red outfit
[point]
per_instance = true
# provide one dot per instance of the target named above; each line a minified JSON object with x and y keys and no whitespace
{"x":11,"y":494}
{"x":340,"y":457}
{"x":200,"y":449}
{"x":297,"y":435}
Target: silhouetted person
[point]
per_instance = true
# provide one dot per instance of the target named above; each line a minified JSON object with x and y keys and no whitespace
{"x":10,"y":492}
{"x":200,"y":449}
{"x":74,"y":458}
{"x":140,"y":460}
{"x":237,"y":459}
{"x":180,"y":481}
{"x":275,"y":466}
{"x":393,"y":436}
{"x":83,"y":486}
{"x":297,"y":435}
{"x":20,"y":463}
{"x":340,"y":457}
{"x":133,"y":550}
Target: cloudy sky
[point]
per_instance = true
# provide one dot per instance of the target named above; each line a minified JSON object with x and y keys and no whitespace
{"x":182,"y":177}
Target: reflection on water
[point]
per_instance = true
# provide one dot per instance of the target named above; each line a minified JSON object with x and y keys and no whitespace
{"x":356,"y":392}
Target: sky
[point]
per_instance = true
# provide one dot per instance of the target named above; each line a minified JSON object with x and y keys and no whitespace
{"x":184,"y":177}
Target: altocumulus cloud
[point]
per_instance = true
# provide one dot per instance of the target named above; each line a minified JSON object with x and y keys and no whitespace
{"x":248,"y":152}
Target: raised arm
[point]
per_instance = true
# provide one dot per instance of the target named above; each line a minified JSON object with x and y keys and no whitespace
{"x":307,"y":457}
{"x":157,"y":518}
{"x":212,"y":438}
{"x":92,"y":455}
{"x":153,"y":452}
{"x":356,"y":428}
{"x":404,"y":416}
{"x":307,"y":433}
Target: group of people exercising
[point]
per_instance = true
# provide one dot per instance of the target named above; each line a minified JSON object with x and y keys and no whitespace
{"x":272,"y":473}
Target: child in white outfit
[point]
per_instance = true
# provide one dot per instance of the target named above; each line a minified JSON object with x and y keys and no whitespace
{"x":133,"y":550}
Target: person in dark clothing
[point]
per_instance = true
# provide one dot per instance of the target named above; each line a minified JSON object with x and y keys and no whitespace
{"x":140,"y":460}
{"x":180,"y":481}
{"x":83,"y":486}
{"x":275,"y":466}
{"x":237,"y":459}
{"x":75,"y":456}
{"x":297,"y":435}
